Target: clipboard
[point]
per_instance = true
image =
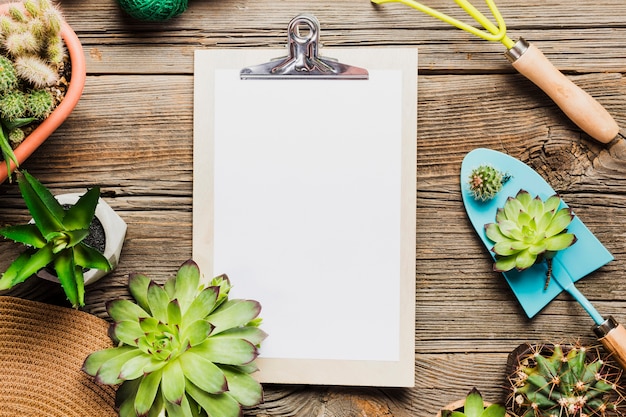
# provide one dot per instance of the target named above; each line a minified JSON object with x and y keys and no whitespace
{"x":304,"y":194}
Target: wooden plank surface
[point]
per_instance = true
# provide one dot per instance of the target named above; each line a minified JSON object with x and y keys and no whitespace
{"x":132,"y":135}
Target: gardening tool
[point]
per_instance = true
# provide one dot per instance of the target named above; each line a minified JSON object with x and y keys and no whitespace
{"x":568,"y":265}
{"x":578,"y":105}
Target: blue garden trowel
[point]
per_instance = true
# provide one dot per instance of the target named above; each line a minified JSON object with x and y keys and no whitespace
{"x":568,"y":265}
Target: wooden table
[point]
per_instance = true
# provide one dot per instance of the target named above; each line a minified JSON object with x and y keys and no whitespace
{"x":132,"y":135}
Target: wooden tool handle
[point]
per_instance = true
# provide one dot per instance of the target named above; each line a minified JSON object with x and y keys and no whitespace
{"x":613,"y":337}
{"x":578,"y":105}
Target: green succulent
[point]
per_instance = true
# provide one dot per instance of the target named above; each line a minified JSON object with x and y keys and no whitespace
{"x":475,"y":407}
{"x":564,"y":381}
{"x":182,"y":347}
{"x":485,"y":182}
{"x":528,"y":230}
{"x":55,"y":239}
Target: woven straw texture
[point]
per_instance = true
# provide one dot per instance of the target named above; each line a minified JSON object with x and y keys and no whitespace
{"x":153,"y":9}
{"x":42,"y":350}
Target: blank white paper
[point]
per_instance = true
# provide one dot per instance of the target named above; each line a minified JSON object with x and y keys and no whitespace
{"x":307,"y":212}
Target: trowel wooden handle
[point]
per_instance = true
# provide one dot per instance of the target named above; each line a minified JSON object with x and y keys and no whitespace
{"x":613,"y":337}
{"x":577,"y":104}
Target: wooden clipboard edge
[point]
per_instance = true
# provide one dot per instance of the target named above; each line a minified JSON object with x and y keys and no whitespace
{"x":399,"y":373}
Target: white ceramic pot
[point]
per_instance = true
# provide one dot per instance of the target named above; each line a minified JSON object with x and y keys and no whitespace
{"x":114,"y":232}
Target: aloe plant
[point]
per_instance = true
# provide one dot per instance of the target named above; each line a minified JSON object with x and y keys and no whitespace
{"x":55,"y":239}
{"x":183,"y":348}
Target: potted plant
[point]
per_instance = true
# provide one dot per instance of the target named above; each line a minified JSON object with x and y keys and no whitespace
{"x":57,"y":236}
{"x":472,"y":405}
{"x":33,"y":61}
{"x":563,"y":380}
{"x":183,"y":349}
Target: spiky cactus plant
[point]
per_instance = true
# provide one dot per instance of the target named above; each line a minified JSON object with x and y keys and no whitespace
{"x":183,"y":348}
{"x":31,"y":60}
{"x":485,"y":182}
{"x":528,"y":230}
{"x":563,"y":381}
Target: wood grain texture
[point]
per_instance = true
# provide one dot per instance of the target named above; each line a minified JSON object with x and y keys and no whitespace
{"x":131,"y":133}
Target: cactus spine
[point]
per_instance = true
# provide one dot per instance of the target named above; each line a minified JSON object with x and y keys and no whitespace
{"x":565,"y":381}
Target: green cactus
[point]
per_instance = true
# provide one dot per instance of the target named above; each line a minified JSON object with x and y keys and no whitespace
{"x":486,"y":181}
{"x":13,"y":105}
{"x":565,"y":381}
{"x":39,"y":103}
{"x":8,"y":77}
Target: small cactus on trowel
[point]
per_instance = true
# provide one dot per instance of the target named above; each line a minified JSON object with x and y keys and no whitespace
{"x":485,"y":182}
{"x":564,"y":381}
{"x":529,"y":230}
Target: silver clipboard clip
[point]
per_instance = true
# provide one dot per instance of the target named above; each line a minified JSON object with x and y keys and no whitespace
{"x":303,"y":61}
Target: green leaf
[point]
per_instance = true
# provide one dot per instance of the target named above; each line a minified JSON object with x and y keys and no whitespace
{"x":182,"y":410}
{"x":15,"y":123}
{"x":81,"y":214}
{"x":226,"y":351}
{"x":492,"y":230}
{"x":253,"y":335}
{"x":222,"y":405}
{"x":505,"y":263}
{"x":202,"y":305}
{"x":525,"y":259}
{"x":203,"y":373}
{"x":524,"y":198}
{"x":45,"y":209}
{"x":147,"y":392}
{"x":28,"y":263}
{"x":561,"y":220}
{"x":512,"y":209}
{"x":158,"y":301}
{"x":234,"y":313}
{"x":197,"y":332}
{"x":127,"y":331}
{"x":88,"y":257}
{"x":217,"y":405}
{"x":505,"y":248}
{"x":552,"y":203}
{"x":173,"y":382}
{"x":245,"y":389}
{"x":121,"y":310}
{"x":535,"y":208}
{"x":27,"y":234}
{"x":560,"y":242}
{"x":94,"y":361}
{"x":510,"y":229}
{"x":187,"y":282}
{"x":66,"y":272}
{"x":473,"y":404}
{"x":138,"y":285}
{"x":136,"y":367}
{"x":7,"y":151}
{"x":109,"y":371}
{"x":174,"y":316}
{"x":494,"y":410}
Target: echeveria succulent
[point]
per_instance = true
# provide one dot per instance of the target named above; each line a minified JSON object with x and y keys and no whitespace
{"x":528,"y":230}
{"x":182,"y":347}
{"x":55,"y":239}
{"x":474,"y":406}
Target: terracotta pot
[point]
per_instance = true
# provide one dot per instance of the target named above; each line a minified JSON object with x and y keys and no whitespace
{"x":114,"y":234}
{"x":63,"y":110}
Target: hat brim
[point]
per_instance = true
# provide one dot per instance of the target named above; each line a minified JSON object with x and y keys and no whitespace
{"x":42,"y":350}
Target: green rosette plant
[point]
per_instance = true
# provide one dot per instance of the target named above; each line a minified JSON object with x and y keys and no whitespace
{"x":55,"y":239}
{"x":183,"y":348}
{"x":529,"y":230}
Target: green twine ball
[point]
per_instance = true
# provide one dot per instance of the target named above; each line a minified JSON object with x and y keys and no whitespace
{"x":158,"y":10}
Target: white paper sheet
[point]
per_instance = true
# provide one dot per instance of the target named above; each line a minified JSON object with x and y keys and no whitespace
{"x":307,"y":217}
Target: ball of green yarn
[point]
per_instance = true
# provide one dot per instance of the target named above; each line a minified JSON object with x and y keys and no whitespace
{"x":153,"y":9}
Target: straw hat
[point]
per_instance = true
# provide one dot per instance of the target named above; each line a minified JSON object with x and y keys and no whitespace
{"x":42,"y":350}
